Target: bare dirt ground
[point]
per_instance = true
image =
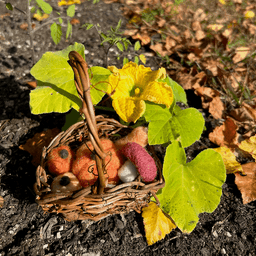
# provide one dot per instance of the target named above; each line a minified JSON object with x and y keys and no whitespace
{"x":25,"y":229}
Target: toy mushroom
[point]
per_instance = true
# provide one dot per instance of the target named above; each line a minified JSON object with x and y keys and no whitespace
{"x":66,"y":182}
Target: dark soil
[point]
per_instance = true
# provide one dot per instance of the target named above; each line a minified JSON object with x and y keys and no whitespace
{"x":25,"y":229}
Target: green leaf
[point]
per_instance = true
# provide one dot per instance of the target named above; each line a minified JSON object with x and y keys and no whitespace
{"x":191,"y":188}
{"x":56,"y":32}
{"x":164,"y":126}
{"x":60,"y":20}
{"x":125,"y":60}
{"x":56,"y":91}
{"x":99,"y":83}
{"x":44,"y":6}
{"x":137,"y":46}
{"x":178,"y":91}
{"x":136,"y":60}
{"x":9,"y":6}
{"x":33,"y":9}
{"x":71,"y":10}
{"x":87,"y":25}
{"x":69,"y":30}
{"x":120,"y":46}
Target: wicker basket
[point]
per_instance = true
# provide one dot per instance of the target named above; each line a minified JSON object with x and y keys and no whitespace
{"x":94,"y":202}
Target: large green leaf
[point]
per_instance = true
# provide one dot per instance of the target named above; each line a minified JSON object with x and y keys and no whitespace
{"x":99,"y":83}
{"x":191,"y":188}
{"x":56,"y":91}
{"x":178,"y":91}
{"x":44,"y":6}
{"x":165,"y":126}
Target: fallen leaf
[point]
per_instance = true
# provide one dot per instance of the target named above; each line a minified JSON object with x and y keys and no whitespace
{"x":69,"y":2}
{"x":247,"y":184}
{"x":156,"y":224}
{"x":196,"y":25}
{"x":211,"y":101}
{"x":249,"y":146}
{"x":144,"y":38}
{"x":159,"y":48}
{"x":251,"y":110}
{"x":161,"y":22}
{"x":229,"y":160}
{"x":1,"y":201}
{"x":199,"y":35}
{"x":35,"y":145}
{"x":32,"y":84}
{"x":241,"y":53}
{"x":215,"y":27}
{"x":74,"y":21}
{"x":222,"y":2}
{"x":130,"y":32}
{"x":225,"y":135}
{"x":200,"y":15}
{"x":216,"y":107}
{"x":39,"y":17}
{"x":249,"y":14}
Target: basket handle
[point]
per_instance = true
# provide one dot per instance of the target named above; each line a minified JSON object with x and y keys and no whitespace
{"x":82,"y":82}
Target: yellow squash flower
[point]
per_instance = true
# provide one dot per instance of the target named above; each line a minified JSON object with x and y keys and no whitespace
{"x":132,"y":85}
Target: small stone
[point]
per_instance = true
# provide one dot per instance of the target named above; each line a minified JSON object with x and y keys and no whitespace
{"x":228,"y":234}
{"x":215,"y":234}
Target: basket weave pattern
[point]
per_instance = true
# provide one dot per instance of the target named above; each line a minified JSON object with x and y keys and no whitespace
{"x":94,"y":202}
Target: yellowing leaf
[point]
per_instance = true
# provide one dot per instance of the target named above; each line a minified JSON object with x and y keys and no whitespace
{"x":222,"y":2}
{"x":39,"y":17}
{"x":249,"y":14}
{"x":249,"y":146}
{"x":215,"y":27}
{"x":68,"y":2}
{"x":229,"y":160}
{"x":156,"y":224}
{"x":143,"y":58}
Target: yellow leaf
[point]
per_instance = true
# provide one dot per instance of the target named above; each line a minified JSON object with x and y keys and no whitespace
{"x":142,"y":58}
{"x":249,"y":14}
{"x":222,"y":2}
{"x":156,"y":224}
{"x":215,"y":27}
{"x":229,"y":160}
{"x":249,"y":146}
{"x":69,"y":2}
{"x":39,"y":17}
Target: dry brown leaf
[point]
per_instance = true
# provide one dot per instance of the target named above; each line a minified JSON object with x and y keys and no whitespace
{"x":225,"y":135}
{"x":216,"y":107}
{"x":1,"y":201}
{"x":161,"y":22}
{"x":251,"y":110}
{"x":252,"y":29}
{"x":144,"y":38}
{"x":196,"y":25}
{"x":200,"y":15}
{"x":130,"y":32}
{"x":74,"y":21}
{"x":227,"y":32}
{"x":35,"y":145}
{"x":187,"y":34}
{"x":170,"y":43}
{"x":215,"y":27}
{"x":199,"y":35}
{"x":247,"y":184}
{"x":241,"y":53}
{"x":32,"y":84}
{"x":241,"y":114}
{"x":159,"y":48}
